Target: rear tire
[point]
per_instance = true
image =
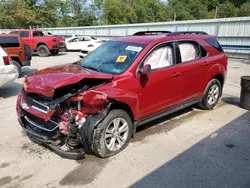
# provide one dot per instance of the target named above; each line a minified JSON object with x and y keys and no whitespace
{"x":54,"y":52}
{"x":107,"y":131}
{"x":28,"y":51}
{"x":19,"y":68}
{"x":211,"y":96}
{"x":43,"y":51}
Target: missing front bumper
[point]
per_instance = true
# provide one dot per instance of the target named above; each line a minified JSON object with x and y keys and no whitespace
{"x":75,"y":154}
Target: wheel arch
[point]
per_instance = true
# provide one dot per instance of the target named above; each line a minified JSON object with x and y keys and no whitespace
{"x":41,"y":43}
{"x":123,"y":106}
{"x":220,"y":78}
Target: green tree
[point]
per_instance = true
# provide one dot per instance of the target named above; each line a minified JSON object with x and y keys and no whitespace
{"x":227,"y":10}
{"x":245,"y":9}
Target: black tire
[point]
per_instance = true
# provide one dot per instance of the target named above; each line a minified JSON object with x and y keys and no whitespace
{"x":43,"y":51}
{"x":54,"y":52}
{"x":19,"y":68}
{"x":99,"y":147}
{"x":204,"y":103}
{"x":28,"y":51}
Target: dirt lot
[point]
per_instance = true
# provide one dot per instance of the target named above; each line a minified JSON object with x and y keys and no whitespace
{"x":191,"y":148}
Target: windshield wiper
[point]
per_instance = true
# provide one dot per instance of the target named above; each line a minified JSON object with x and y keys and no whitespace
{"x":92,"y":68}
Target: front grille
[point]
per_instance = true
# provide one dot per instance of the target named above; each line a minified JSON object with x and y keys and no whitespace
{"x":46,"y":128}
{"x":37,"y":102}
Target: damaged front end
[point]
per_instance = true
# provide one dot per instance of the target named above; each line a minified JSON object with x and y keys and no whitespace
{"x":64,"y":122}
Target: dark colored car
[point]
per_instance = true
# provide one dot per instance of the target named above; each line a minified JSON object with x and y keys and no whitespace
{"x":44,"y":45}
{"x":19,"y":53}
{"x":96,"y":104}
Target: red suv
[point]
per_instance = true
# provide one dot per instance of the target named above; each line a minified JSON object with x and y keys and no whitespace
{"x":96,"y":104}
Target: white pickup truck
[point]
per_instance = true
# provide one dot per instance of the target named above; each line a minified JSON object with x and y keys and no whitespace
{"x":8,"y":72}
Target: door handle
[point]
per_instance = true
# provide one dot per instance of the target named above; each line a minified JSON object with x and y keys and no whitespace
{"x":176,"y":74}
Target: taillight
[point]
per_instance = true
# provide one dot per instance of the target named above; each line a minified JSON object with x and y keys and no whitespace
{"x":6,"y":60}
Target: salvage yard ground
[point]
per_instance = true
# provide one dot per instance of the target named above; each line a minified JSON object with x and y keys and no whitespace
{"x":191,"y":148}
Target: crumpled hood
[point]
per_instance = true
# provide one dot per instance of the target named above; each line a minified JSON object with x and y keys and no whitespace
{"x":49,"y":79}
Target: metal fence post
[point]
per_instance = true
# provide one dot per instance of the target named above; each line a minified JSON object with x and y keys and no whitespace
{"x":217,"y":30}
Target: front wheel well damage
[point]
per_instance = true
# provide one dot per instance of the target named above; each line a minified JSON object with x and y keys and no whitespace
{"x":86,"y":132}
{"x":122,"y":106}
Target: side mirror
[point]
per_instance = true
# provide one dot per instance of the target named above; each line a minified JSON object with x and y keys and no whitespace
{"x":145,"y":71}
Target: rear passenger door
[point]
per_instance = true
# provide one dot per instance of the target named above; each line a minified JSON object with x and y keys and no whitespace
{"x":193,"y":66}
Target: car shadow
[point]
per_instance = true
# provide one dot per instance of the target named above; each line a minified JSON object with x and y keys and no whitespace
{"x":28,"y":70}
{"x":10,"y":90}
{"x":231,"y":100}
{"x":222,"y":159}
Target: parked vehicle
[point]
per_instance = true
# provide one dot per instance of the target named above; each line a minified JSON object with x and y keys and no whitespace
{"x":90,"y":48}
{"x":8,"y":72}
{"x":78,"y":43}
{"x":68,"y":37}
{"x":95,"y":105}
{"x":20,"y":53}
{"x":40,"y":43}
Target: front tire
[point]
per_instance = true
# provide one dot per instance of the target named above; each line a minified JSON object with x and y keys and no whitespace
{"x":43,"y":51}
{"x":113,"y":134}
{"x":212,"y":95}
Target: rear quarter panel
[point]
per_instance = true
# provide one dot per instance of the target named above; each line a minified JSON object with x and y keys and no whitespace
{"x":218,"y":62}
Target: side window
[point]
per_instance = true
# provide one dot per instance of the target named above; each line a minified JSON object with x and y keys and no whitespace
{"x":75,"y":40}
{"x":38,"y":34}
{"x":160,"y":57}
{"x":190,"y":50}
{"x":214,"y":43}
{"x":86,"y":39}
{"x":9,"y":41}
{"x":24,"y":34}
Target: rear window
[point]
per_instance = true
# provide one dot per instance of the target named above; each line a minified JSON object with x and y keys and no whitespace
{"x":8,"y":42}
{"x":214,"y":43}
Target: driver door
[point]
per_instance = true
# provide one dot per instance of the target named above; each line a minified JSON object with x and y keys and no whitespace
{"x":73,"y":44}
{"x":161,"y":89}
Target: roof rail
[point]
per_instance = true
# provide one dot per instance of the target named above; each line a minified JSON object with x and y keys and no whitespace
{"x":151,"y":32}
{"x":187,"y":33}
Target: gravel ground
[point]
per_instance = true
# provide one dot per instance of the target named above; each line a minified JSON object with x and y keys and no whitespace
{"x":191,"y":148}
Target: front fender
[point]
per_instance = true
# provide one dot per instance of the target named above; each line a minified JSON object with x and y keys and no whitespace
{"x":122,"y":95}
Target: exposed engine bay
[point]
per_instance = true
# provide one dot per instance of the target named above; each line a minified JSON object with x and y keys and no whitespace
{"x":67,"y":119}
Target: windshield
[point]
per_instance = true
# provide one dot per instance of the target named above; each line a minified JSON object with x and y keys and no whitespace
{"x":112,"y":57}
